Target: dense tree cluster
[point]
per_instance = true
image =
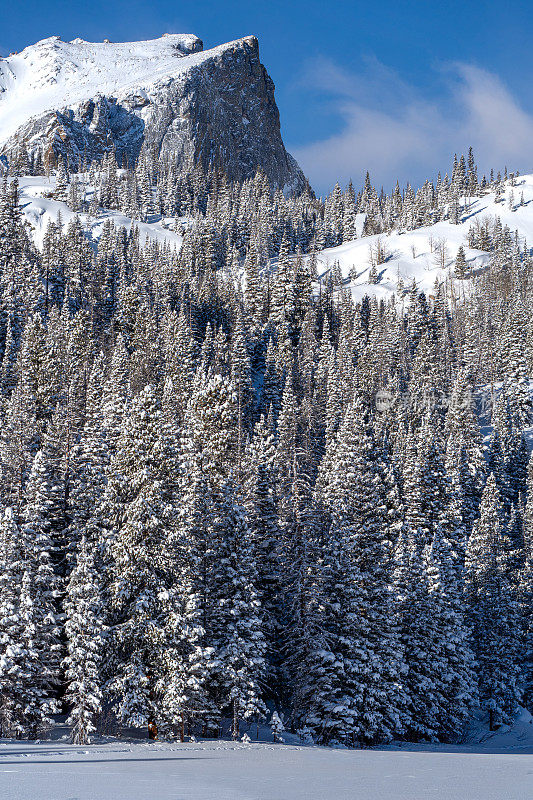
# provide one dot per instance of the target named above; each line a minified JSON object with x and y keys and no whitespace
{"x":228,"y":488}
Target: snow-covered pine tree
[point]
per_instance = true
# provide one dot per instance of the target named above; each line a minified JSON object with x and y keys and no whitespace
{"x":221,"y":543}
{"x":277,"y":727}
{"x":461,"y":267}
{"x":11,"y":668}
{"x":355,"y":498}
{"x":85,"y":639}
{"x":261,"y":509}
{"x":492,"y":610}
{"x":29,"y":632}
{"x":142,"y":566}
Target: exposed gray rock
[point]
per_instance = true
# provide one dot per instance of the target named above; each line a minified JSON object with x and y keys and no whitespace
{"x":214,"y":107}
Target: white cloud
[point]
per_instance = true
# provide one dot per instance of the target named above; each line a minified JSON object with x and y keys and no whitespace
{"x":391,"y":129}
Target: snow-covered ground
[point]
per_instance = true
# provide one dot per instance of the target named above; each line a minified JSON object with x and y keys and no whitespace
{"x":412,"y":254}
{"x":492,"y":767}
{"x":40,"y":208}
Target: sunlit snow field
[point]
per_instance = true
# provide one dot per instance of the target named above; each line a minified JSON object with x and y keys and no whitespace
{"x":493,"y":767}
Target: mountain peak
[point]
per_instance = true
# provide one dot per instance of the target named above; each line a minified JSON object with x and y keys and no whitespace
{"x":55,"y":74}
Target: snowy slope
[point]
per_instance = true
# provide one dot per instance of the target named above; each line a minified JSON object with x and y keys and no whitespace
{"x":221,"y":770}
{"x":411,"y":253}
{"x":518,"y":736}
{"x":39,"y":209}
{"x":353,"y":257}
{"x":52,"y":74}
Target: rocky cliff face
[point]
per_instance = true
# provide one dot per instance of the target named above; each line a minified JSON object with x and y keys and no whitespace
{"x":77,"y":100}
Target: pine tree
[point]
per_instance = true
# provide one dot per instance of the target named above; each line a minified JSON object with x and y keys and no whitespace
{"x":142,"y":565}
{"x":461,"y":267}
{"x":525,"y":595}
{"x":11,"y":668}
{"x":457,"y":689}
{"x":241,"y":379}
{"x":84,"y":631}
{"x":355,"y":497}
{"x":221,"y":545}
{"x":492,"y":610}
{"x":235,"y":632}
{"x":61,"y":182}
{"x":320,"y":651}
{"x":277,"y":727}
{"x":261,"y":509}
{"x":28,"y":632}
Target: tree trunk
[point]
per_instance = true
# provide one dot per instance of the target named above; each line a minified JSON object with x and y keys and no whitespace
{"x":235,"y":723}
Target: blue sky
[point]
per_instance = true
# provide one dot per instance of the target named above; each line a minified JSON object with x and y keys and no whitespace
{"x":387,"y":85}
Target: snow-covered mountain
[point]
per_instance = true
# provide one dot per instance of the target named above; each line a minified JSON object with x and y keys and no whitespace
{"x":79,"y":99}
